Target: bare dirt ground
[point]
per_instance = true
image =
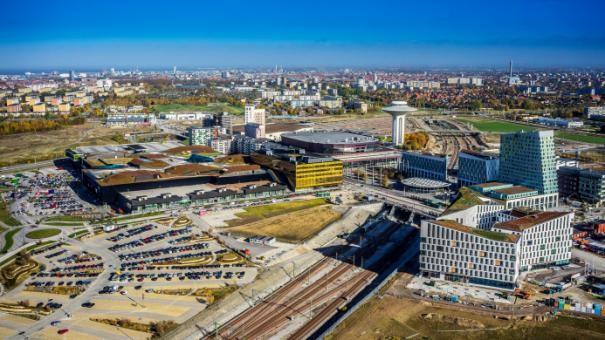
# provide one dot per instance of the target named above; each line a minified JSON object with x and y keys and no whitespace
{"x":390,"y":317}
{"x":30,"y":147}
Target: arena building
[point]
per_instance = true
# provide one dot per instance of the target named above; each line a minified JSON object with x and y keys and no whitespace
{"x":331,"y":143}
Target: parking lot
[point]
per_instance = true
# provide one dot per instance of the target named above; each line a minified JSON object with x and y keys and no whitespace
{"x":45,"y":193}
{"x":144,"y":271}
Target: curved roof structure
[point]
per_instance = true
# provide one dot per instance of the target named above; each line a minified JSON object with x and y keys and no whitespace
{"x":424,"y":183}
{"x":398,"y":107}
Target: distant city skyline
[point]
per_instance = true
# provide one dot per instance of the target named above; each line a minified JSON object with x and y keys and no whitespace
{"x":152,"y":34}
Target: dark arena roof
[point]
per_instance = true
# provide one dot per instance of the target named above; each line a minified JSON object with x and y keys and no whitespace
{"x":334,"y":142}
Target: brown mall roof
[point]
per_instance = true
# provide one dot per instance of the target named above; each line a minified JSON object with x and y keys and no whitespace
{"x":529,"y":221}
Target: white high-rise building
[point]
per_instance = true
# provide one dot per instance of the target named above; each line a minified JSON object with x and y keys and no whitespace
{"x":398,"y":110}
{"x":254,"y":115}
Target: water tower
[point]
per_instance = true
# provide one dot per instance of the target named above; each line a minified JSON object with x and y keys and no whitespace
{"x":398,"y":110}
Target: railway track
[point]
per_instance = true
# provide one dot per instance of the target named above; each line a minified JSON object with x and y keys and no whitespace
{"x":328,"y":311}
{"x":275,"y":299}
{"x":298,"y":299}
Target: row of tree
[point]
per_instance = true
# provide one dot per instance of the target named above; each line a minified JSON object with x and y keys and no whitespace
{"x":415,"y":140}
{"x":9,"y":127}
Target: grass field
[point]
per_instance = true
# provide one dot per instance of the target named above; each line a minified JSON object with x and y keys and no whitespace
{"x":580,"y":138}
{"x":130,"y":217}
{"x":393,"y":318}
{"x":66,"y":218}
{"x":294,"y":227}
{"x":496,"y":126}
{"x":253,"y":214}
{"x":42,"y":233}
{"x":78,"y":233}
{"x":212,"y":107}
{"x":8,"y":239}
{"x":5,"y":215}
{"x":61,"y":221}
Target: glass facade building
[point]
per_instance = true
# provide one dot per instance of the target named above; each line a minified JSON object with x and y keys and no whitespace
{"x":417,"y":164}
{"x":476,"y":167}
{"x":528,"y":159}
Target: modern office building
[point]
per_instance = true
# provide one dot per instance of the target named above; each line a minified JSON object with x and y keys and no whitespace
{"x":452,"y":251}
{"x":416,"y":164}
{"x":514,"y":242}
{"x":545,"y":238}
{"x":476,"y":167}
{"x":514,"y":196}
{"x":587,"y":185}
{"x":398,"y":110}
{"x":301,"y":171}
{"x":528,"y":159}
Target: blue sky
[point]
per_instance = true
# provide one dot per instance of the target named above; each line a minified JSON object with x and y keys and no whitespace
{"x":100,"y":34}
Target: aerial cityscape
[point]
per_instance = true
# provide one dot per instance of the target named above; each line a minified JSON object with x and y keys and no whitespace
{"x":270,"y":170}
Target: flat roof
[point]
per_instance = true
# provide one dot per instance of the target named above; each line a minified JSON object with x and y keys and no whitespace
{"x":277,"y":127}
{"x":335,"y":137}
{"x":490,"y":235}
{"x":529,"y":221}
{"x":479,"y":154}
{"x":187,"y":189}
{"x":152,"y":147}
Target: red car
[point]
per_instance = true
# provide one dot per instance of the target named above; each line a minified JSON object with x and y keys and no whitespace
{"x":63,"y":331}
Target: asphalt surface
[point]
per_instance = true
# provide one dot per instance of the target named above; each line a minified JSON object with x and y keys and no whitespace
{"x":110,"y":261}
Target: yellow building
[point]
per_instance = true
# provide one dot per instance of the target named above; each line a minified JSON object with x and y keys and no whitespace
{"x":64,"y":107}
{"x":302,"y":171}
{"x":12,"y":101}
{"x":40,"y":108}
{"x":318,"y":174}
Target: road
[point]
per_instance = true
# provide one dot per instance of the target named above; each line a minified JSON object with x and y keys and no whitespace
{"x":110,"y":261}
{"x":28,"y":166}
{"x":394,"y":197}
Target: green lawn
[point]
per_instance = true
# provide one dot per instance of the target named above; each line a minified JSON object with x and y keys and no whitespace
{"x":496,"y":126}
{"x":66,"y":218}
{"x":212,"y":107}
{"x":42,"y":233}
{"x":130,"y":217}
{"x":64,"y":224}
{"x":5,"y":215}
{"x":580,"y":138}
{"x":78,"y":233}
{"x":8,"y":239}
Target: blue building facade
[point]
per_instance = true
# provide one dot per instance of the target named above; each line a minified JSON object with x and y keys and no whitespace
{"x":417,"y":164}
{"x":476,"y":167}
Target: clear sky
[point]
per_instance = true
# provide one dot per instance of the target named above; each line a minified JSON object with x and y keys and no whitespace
{"x":84,"y":34}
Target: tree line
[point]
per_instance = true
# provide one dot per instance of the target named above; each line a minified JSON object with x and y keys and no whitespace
{"x":9,"y":127}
